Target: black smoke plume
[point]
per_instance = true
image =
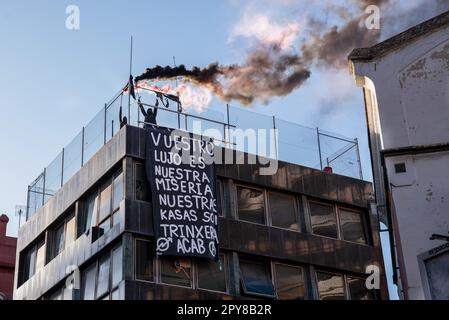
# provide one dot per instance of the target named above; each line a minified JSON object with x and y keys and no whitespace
{"x":269,"y":71}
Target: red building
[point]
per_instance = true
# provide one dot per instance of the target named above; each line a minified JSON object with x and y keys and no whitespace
{"x":7,"y":260}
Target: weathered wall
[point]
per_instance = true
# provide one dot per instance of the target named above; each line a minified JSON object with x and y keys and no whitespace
{"x":410,"y":89}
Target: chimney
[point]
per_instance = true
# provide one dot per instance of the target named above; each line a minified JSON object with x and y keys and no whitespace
{"x":3,"y":223}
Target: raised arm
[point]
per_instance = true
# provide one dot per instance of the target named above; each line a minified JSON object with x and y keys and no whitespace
{"x":155,"y":112}
{"x":142,"y":109}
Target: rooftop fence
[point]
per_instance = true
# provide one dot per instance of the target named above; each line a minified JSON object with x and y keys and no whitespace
{"x":306,"y":146}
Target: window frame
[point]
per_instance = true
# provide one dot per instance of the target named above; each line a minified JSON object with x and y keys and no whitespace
{"x":363,"y":220}
{"x":96,"y":194}
{"x":153,"y":264}
{"x":343,"y":277}
{"x":348,"y":289}
{"x":220,"y":190}
{"x":192,"y":273}
{"x":264,"y":195}
{"x":96,"y":266}
{"x":67,"y":217}
{"x":225,"y":269}
{"x":334,"y":210}
{"x":135,"y":164}
{"x":295,"y":208}
{"x":267,"y":264}
{"x":275,"y":280}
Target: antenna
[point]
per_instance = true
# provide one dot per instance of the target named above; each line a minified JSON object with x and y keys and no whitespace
{"x":20,"y":210}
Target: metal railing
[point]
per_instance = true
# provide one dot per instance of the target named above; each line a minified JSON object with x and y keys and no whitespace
{"x":296,"y":144}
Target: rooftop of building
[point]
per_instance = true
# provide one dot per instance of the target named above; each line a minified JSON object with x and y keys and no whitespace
{"x":400,"y":40}
{"x":297,"y":144}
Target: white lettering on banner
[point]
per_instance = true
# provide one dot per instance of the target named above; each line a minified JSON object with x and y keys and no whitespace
{"x":184,"y":200}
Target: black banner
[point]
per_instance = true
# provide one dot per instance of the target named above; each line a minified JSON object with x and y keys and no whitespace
{"x":182,"y":180}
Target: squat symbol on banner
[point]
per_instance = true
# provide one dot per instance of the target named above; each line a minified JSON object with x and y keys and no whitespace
{"x":163,"y":244}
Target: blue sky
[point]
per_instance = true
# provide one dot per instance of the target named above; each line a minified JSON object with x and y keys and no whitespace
{"x":55,"y":80}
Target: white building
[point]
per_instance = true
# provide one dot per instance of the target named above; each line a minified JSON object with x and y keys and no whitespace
{"x":405,"y":80}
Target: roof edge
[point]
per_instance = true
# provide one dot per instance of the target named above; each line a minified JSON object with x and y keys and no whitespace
{"x":400,"y":40}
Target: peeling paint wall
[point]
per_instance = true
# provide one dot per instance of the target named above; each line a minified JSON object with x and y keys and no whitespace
{"x":411,"y":85}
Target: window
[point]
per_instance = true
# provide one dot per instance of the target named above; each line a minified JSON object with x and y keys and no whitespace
{"x":255,"y":277}
{"x":62,"y":294}
{"x":323,"y":219}
{"x":352,"y":227}
{"x":117,"y":266}
{"x":70,"y":231}
{"x":220,"y":206}
{"x":283,"y":211}
{"x":40,"y":256}
{"x":144,"y":260}
{"x":89,"y":212}
{"x":212,"y":274}
{"x":176,"y":271}
{"x":289,"y":282}
{"x":142,"y":188}
{"x":251,"y":205}
{"x":58,"y":246}
{"x":104,"y":204}
{"x":330,"y":286}
{"x":358,"y":290}
{"x":31,"y":261}
{"x":117,"y":196}
{"x":88,"y":285}
{"x":103,"y":277}
{"x":63,"y":236}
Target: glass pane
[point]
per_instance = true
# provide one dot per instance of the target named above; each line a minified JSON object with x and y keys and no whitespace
{"x":211,"y":275}
{"x":31,"y":261}
{"x":116,"y":218}
{"x":176,"y":271}
{"x":90,"y":210}
{"x":105,"y":202}
{"x":67,"y":294}
{"x":142,"y":187}
{"x":323,"y":219}
{"x":40,"y":258}
{"x":256,"y":277}
{"x":118,"y":191}
{"x":115,"y":295}
{"x":289,"y":282}
{"x":358,"y":290}
{"x":57,"y":295}
{"x":117,"y":271}
{"x":70,"y":231}
{"x":59,"y":241}
{"x":352,"y":226}
{"x":103,"y":277}
{"x":104,"y":227}
{"x":144,"y":260}
{"x":251,"y":206}
{"x":88,"y":283}
{"x":220,"y":198}
{"x":330,"y":286}
{"x":283,"y":212}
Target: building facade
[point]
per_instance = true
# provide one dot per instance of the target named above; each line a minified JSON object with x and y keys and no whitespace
{"x":405,"y":83}
{"x":7,"y":260}
{"x":299,"y":234}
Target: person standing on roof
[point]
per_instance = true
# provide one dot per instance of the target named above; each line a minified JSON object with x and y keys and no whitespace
{"x":150,"y":114}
